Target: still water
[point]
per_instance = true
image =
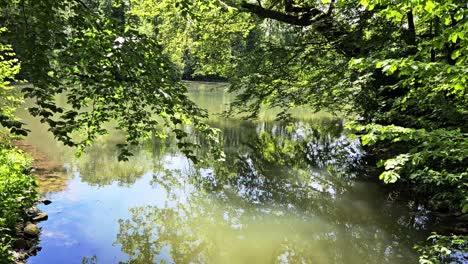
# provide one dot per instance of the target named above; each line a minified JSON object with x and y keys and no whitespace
{"x":287,"y":193}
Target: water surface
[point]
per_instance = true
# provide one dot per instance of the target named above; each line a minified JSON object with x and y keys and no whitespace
{"x":287,"y":193}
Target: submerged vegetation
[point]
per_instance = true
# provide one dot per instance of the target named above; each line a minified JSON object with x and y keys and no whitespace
{"x":397,"y":70}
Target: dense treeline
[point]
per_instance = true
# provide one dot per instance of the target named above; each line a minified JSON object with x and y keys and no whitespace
{"x":397,"y":69}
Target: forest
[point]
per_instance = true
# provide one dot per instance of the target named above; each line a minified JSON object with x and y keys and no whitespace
{"x":395,"y":72}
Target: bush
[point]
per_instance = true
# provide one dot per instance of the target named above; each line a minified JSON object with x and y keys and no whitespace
{"x":17,"y":193}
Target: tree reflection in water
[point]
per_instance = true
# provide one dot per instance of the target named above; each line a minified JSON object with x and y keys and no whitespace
{"x":283,"y":195}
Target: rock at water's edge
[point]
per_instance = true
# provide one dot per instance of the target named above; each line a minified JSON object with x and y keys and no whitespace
{"x":21,"y":244}
{"x":31,"y":230}
{"x":40,"y":217}
{"x":46,"y":202}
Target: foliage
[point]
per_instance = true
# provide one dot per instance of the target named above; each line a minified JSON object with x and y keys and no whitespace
{"x":194,"y":33}
{"x":110,"y":73}
{"x":431,"y":162}
{"x":9,"y":96}
{"x":17,"y":193}
{"x":439,"y":249}
{"x":17,"y":188}
{"x":432,"y":107}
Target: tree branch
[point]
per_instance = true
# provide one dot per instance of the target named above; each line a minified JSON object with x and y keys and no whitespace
{"x":321,"y":21}
{"x":411,"y":39}
{"x":331,"y":7}
{"x":305,"y":19}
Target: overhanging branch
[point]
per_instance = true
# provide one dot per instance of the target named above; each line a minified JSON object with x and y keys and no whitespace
{"x":322,"y":23}
{"x":304,"y":19}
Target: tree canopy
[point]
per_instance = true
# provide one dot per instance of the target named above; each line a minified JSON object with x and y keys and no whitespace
{"x":108,"y":71}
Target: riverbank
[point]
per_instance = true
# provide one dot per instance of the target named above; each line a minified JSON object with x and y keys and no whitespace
{"x":19,"y":197}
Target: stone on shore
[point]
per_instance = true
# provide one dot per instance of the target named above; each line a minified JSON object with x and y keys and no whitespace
{"x":40,"y":217}
{"x":31,"y":230}
{"x":46,"y":202}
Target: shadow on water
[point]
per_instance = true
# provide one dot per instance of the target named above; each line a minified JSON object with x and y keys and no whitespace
{"x":286,"y":193}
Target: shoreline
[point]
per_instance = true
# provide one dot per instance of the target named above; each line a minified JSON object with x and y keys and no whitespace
{"x":50,"y":177}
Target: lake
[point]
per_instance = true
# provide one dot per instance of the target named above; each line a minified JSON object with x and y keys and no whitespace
{"x":287,"y":193}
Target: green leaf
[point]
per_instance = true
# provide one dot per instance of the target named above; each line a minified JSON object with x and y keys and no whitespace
{"x":429,"y":7}
{"x":455,"y":54}
{"x":389,"y":176}
{"x":453,"y":37}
